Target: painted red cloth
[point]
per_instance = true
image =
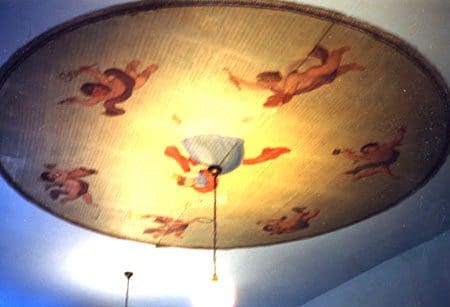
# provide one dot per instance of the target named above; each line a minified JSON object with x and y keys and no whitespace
{"x":209,"y":185}
{"x":173,"y":152}
{"x":267,"y":154}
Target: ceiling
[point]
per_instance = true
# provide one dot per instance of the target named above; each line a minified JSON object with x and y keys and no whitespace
{"x":49,"y":262}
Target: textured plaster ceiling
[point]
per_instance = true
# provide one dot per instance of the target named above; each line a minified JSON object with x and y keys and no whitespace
{"x":125,"y":110}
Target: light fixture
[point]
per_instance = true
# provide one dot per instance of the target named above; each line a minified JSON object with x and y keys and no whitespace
{"x":128,"y":275}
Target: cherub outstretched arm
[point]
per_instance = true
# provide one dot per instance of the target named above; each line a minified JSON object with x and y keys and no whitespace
{"x":237,"y":81}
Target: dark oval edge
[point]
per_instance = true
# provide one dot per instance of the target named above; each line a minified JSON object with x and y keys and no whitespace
{"x":335,"y":17}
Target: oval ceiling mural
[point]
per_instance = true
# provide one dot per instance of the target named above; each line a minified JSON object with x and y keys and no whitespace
{"x":112,"y":121}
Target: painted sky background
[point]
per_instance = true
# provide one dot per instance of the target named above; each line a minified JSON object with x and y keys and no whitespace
{"x":39,"y":252}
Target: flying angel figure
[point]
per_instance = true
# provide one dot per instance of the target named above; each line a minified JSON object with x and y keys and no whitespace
{"x":295,"y":82}
{"x":112,"y":86}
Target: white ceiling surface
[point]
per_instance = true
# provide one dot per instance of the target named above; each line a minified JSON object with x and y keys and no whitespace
{"x":418,"y":277}
{"x":48,"y":262}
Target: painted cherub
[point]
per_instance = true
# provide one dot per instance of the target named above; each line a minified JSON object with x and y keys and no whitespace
{"x":374,"y":157}
{"x":284,"y":88}
{"x":228,"y":152}
{"x":67,"y":183}
{"x":113,"y":86}
{"x":168,"y":226}
{"x":286,"y":224}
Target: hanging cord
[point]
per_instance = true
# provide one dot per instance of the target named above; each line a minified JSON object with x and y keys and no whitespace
{"x":215,"y":230}
{"x":322,"y":37}
{"x":128,"y":276}
{"x":215,"y":171}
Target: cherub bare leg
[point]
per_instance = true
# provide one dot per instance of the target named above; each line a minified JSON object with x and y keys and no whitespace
{"x":310,"y":215}
{"x":349,"y":67}
{"x":131,"y":68}
{"x":387,"y":171}
{"x":368,"y":173}
{"x":140,"y":78}
{"x":89,"y":102}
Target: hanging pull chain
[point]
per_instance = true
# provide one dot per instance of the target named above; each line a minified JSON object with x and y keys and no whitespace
{"x":215,"y":171}
{"x":215,"y":278}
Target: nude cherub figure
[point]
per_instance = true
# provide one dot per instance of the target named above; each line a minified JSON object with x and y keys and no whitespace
{"x":284,"y":88}
{"x":113,"y":86}
{"x":374,"y":157}
{"x":286,"y":224}
{"x":68,"y":184}
{"x":168,"y":226}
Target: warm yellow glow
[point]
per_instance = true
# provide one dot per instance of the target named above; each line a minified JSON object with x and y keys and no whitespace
{"x":219,"y":293}
{"x":99,"y":264}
